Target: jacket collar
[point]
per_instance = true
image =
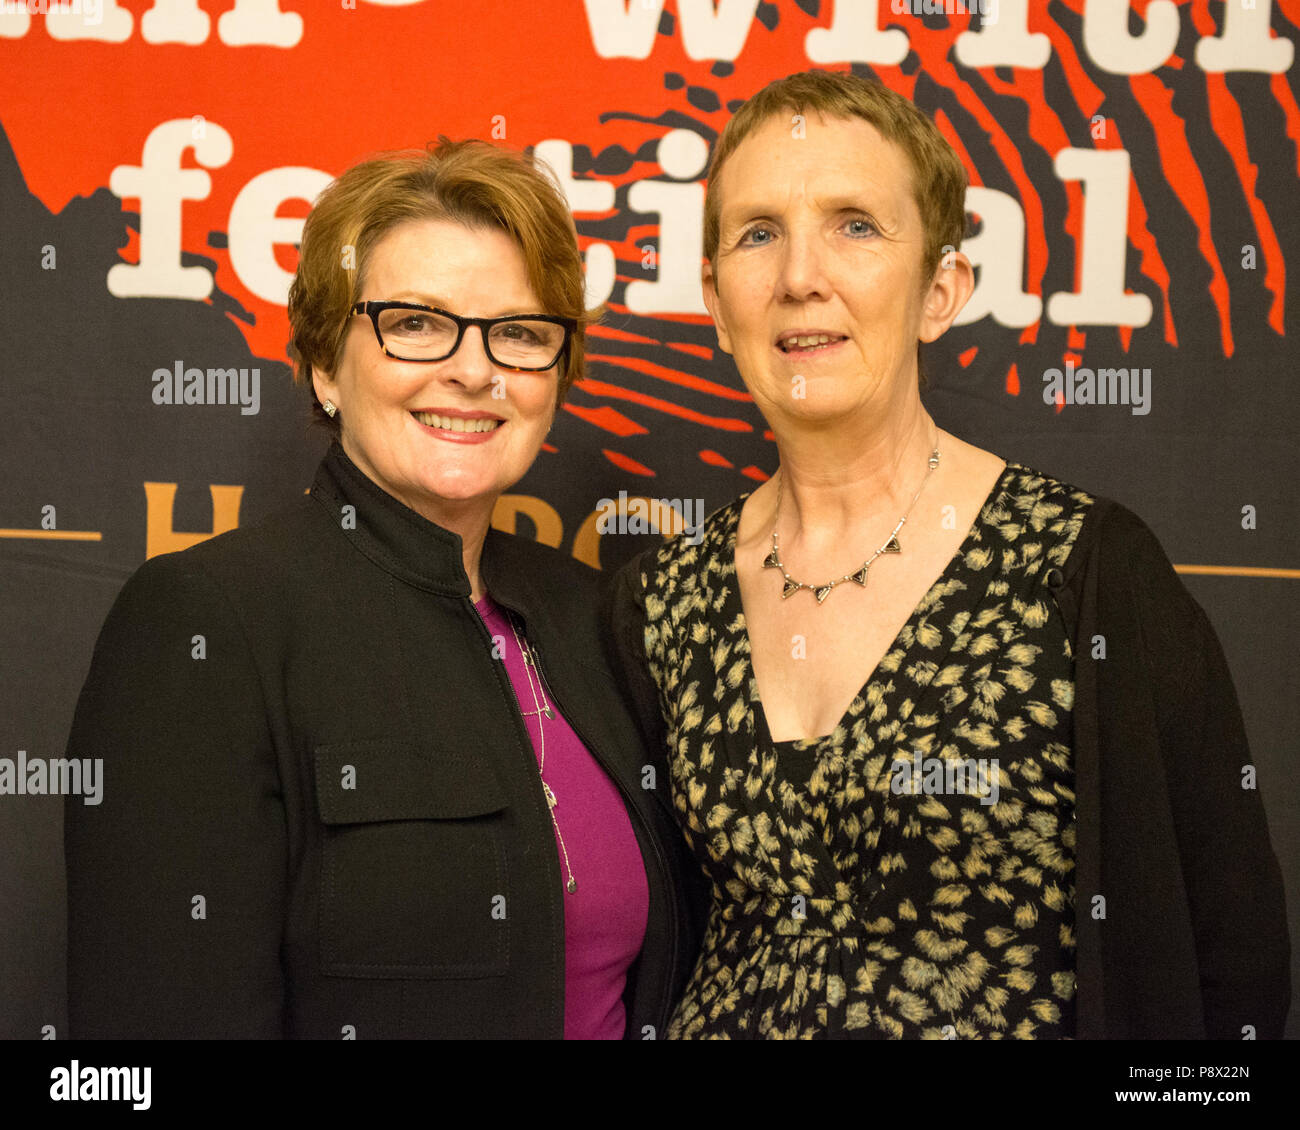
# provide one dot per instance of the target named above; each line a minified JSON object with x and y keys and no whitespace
{"x":409,"y":546}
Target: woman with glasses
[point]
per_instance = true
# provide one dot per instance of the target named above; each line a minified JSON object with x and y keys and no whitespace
{"x":367,"y":774}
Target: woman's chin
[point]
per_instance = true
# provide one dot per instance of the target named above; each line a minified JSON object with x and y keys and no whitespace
{"x":459,"y":490}
{"x":420,"y":487}
{"x":462,"y":473}
{"x":816,"y":402}
{"x":826,"y":413}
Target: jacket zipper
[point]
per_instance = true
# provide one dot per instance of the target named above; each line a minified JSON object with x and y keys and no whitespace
{"x":665,"y":1002}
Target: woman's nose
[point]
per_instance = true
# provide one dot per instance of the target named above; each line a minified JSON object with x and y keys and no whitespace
{"x":803,"y":274}
{"x":470,"y":364}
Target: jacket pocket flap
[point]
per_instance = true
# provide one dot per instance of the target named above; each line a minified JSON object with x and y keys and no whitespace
{"x":370,"y":781}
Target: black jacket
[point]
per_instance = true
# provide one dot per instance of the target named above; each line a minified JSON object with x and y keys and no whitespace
{"x":1191,"y":940}
{"x":230,"y":884}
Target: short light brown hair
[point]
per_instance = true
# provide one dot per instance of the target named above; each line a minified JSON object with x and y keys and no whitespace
{"x":938,"y":176}
{"x":469,"y":182}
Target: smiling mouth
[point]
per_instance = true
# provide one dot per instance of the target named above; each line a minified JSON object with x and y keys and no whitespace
{"x":809,"y":343}
{"x":457,"y":423}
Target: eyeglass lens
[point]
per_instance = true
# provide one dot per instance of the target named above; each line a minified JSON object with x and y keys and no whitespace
{"x":418,"y":335}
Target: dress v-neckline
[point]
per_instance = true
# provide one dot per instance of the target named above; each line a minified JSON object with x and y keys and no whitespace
{"x":736,"y":607}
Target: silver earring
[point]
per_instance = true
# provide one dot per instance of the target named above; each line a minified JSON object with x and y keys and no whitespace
{"x":330,"y":408}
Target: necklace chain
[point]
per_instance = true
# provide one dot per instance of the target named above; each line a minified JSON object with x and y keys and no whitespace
{"x":543,"y":709}
{"x":890,"y":545}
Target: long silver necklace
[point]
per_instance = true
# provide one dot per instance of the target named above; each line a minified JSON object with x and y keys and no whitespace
{"x":891,"y":545}
{"x":543,"y":709}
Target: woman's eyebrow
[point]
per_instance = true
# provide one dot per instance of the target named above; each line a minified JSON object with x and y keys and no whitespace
{"x":863,"y":201}
{"x":743,"y":212}
{"x":421,"y":298}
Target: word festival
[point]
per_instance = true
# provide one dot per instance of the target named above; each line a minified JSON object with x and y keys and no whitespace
{"x":161,"y":184}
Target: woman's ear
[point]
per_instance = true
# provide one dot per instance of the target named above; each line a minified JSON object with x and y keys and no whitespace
{"x":949,"y":291}
{"x":709,"y":283}
{"x":325,"y":385}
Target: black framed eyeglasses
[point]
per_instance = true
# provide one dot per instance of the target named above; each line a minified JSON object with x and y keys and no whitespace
{"x":407,"y":331}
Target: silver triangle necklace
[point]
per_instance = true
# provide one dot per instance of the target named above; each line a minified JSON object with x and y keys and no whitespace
{"x":859,"y":576}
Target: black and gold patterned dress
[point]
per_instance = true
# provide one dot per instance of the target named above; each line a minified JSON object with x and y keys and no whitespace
{"x":875,"y":883}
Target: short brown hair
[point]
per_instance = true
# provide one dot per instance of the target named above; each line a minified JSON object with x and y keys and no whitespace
{"x":938,"y":177}
{"x":469,"y":182}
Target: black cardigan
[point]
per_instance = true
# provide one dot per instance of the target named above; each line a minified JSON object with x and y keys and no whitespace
{"x":1194,"y":941}
{"x":230,"y":884}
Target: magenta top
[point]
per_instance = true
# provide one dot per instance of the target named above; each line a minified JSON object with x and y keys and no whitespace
{"x":605,"y":918}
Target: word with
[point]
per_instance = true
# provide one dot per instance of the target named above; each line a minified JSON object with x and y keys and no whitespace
{"x":709,"y":31}
{"x":1245,"y":42}
{"x":59,"y":776}
{"x":180,"y":385}
{"x":944,"y":776}
{"x":1105,"y":386}
{"x":664,"y":516}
